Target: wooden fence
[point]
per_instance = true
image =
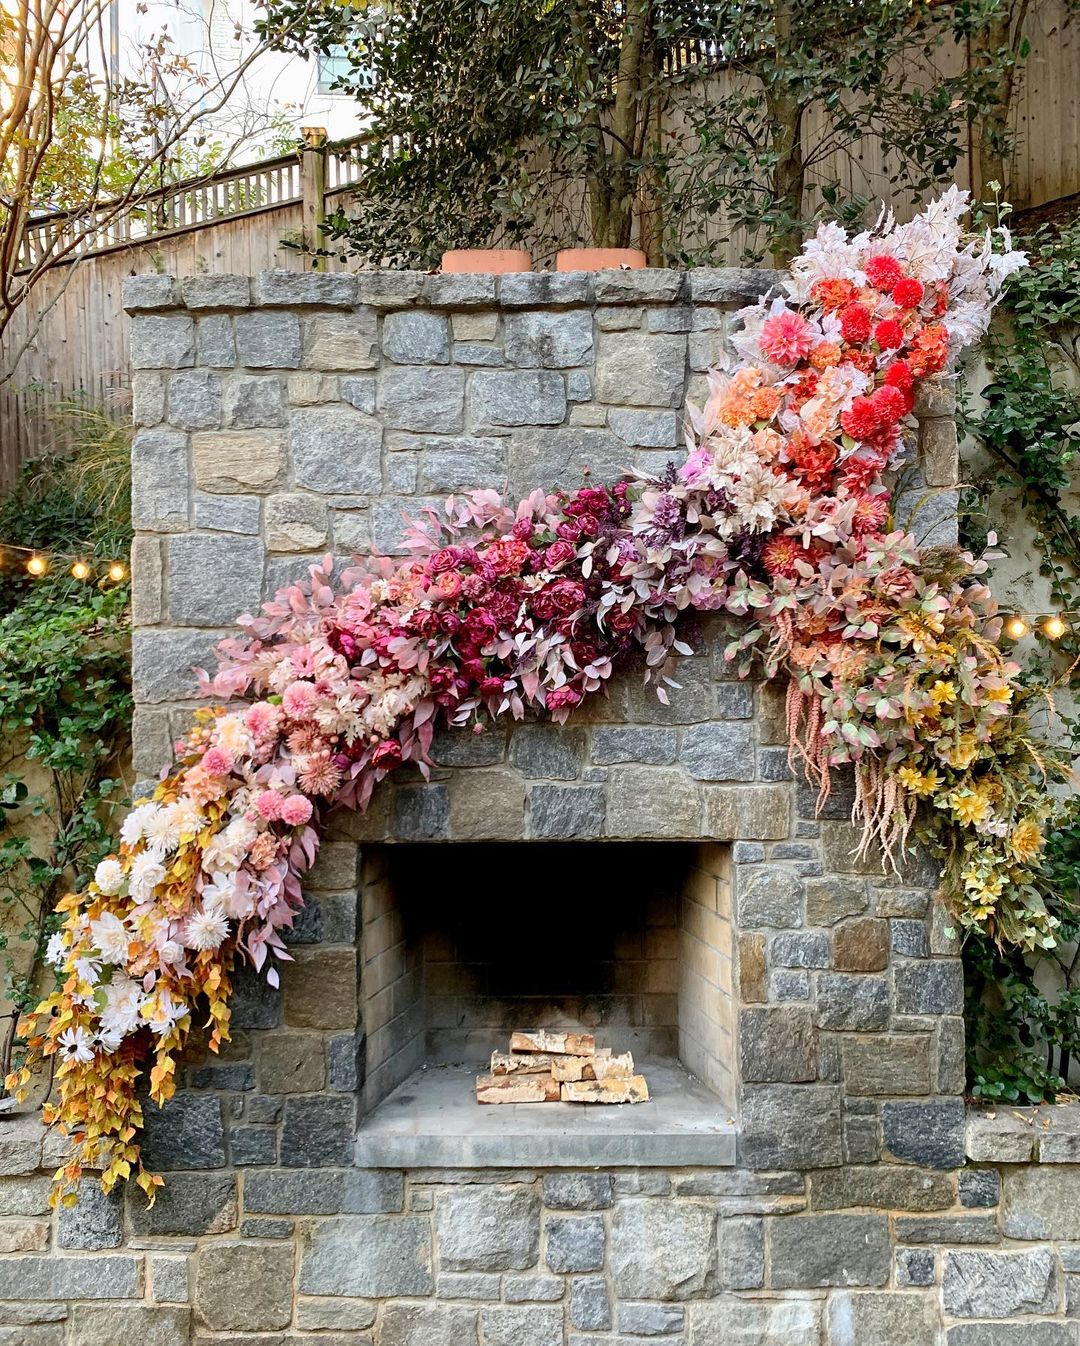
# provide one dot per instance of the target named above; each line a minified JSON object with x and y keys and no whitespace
{"x":72,"y":337}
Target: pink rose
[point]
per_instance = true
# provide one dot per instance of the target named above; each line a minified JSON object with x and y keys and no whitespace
{"x":387,"y":755}
{"x":447,"y":585}
{"x":296,"y":810}
{"x":559,"y":553}
{"x":446,"y":558}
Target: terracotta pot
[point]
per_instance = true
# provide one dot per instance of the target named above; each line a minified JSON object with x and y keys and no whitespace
{"x":599,"y":259}
{"x":485,"y":261}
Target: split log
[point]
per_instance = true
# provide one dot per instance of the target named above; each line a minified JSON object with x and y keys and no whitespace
{"x":510,"y":1063}
{"x":633,"y":1090}
{"x":516,"y":1089}
{"x":613,"y":1067}
{"x":567,"y":1068}
{"x":555,"y":1044}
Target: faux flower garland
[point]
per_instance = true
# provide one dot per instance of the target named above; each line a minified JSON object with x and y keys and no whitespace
{"x":779,"y":517}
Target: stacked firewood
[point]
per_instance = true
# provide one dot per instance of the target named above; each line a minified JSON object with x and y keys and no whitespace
{"x":560,"y":1068}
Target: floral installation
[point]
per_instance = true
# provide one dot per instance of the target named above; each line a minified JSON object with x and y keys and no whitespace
{"x":779,"y":518}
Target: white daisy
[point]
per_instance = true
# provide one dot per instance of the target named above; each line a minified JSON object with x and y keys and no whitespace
{"x":162,"y":832}
{"x":89,"y":968}
{"x":109,"y":876}
{"x":162,"y":1012}
{"x":75,"y":1045}
{"x":108,"y":1039}
{"x":56,"y":950}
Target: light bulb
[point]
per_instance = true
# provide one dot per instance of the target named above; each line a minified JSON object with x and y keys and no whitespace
{"x":117,"y":571}
{"x":80,"y":570}
{"x":1054,"y":628}
{"x":1016,"y":628}
{"x":37,"y":566}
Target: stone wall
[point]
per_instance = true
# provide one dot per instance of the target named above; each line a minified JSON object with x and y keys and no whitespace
{"x":291,"y":414}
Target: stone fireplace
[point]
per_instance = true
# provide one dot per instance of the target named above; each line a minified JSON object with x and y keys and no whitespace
{"x":648,"y":871}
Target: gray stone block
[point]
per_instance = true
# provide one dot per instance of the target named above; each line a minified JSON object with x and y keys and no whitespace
{"x":345,"y":1062}
{"x":217,"y":291}
{"x":147,"y":398}
{"x":577,"y":1191}
{"x":590,"y":1306}
{"x":645,"y":429}
{"x":742,"y":1252}
{"x":533,"y":1289}
{"x":1041,"y":1203}
{"x":506,"y":1326}
{"x":213,"y":577}
{"x":96,"y":1221}
{"x":1014,"y":1334}
{"x":58,"y":1277}
{"x":255,"y":1003}
{"x":720,"y":750}
{"x":575,"y":1243}
{"x":831,"y":899}
{"x":549,"y":340}
{"x":268,"y":340}
{"x":757,"y":1322}
{"x":422,"y":399}
{"x":931,"y":514}
{"x":641,"y":369}
{"x":195,"y":400}
{"x":390,"y":289}
{"x":648,"y":285}
{"x":462,"y":464}
{"x":914,"y":1266}
{"x":489,"y":1229}
{"x":476,"y":1285}
{"x":254,"y":401}
{"x":769,"y":897}
{"x":428,"y":1324}
{"x":517,"y":397}
{"x":420,"y":813}
{"x":829,"y":1250}
{"x":317,"y":1132}
{"x":462,"y":290}
{"x":565,"y":811}
{"x":189,"y":1204}
{"x":149,"y":291}
{"x":548,"y":751}
{"x":909,"y":939}
{"x":878,"y":1316}
{"x":930,"y":1134}
{"x":371,"y":1256}
{"x":216,"y":341}
{"x":125,"y":1325}
{"x":852,"y":1002}
{"x":933,"y":1230}
{"x":253,"y":1145}
{"x":335,"y":450}
{"x":359,"y":391}
{"x":159,"y":481}
{"x":242,"y":1287}
{"x":791,"y":1126}
{"x":189,"y":1133}
{"x":565,"y":458}
{"x":169,"y":1279}
{"x":998,"y":1284}
{"x":629,"y":743}
{"x":731,"y":284}
{"x":652,"y":802}
{"x":327,"y":289}
{"x":799,"y":949}
{"x":528,"y":289}
{"x":325,"y":1192}
{"x":777,"y":1045}
{"x":979,"y":1187}
{"x":663,"y":1250}
{"x":932,"y":986}
{"x":296,"y":521}
{"x":416,"y":338}
{"x":266,"y":1229}
{"x":888,"y":1063}
{"x":651,"y":1320}
{"x":160,"y":342}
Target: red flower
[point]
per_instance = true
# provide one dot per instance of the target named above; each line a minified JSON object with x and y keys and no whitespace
{"x":814,"y":463}
{"x":890,"y":404}
{"x":861,"y":422}
{"x":889,"y":334}
{"x":444,"y":559}
{"x":909,"y":292}
{"x":780,"y":555}
{"x":558,"y":553}
{"x":855,"y":323}
{"x":387,"y":755}
{"x":567,"y":595}
{"x":883,"y":272}
{"x":899,"y":375}
{"x":623,"y":622}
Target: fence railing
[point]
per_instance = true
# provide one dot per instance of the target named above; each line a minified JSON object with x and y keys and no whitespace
{"x":191,"y":204}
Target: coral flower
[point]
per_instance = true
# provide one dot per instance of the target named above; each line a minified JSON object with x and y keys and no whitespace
{"x":888,"y":334}
{"x":855,"y":322}
{"x":786,"y":338}
{"x":908,"y":292}
{"x":883,"y":272}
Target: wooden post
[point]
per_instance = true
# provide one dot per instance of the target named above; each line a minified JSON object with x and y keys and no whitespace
{"x":313,"y":187}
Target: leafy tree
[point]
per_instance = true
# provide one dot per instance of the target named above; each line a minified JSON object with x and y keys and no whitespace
{"x":664,"y":122}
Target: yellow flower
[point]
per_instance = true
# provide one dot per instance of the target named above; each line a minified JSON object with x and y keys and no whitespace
{"x":970,"y":806}
{"x":918,"y":782}
{"x":961,"y":754}
{"x":999,"y":695}
{"x":1026,"y":840}
{"x":921,"y":629}
{"x":943,"y":693}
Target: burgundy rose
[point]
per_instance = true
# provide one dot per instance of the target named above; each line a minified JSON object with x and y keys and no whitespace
{"x":441,"y":677}
{"x":569,"y":531}
{"x":589,"y":524}
{"x":543,"y":605}
{"x":490,"y":687}
{"x":481,"y":625}
{"x":473,"y":669}
{"x":558,"y":553}
{"x":623,"y":622}
{"x":522,"y":529}
{"x":426,"y":621}
{"x":446,"y":558}
{"x":450,"y":622}
{"x":387,"y":755}
{"x":567,"y":595}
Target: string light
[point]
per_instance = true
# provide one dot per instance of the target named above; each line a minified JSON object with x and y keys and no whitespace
{"x":81,"y":571}
{"x":37,"y":566}
{"x":117,"y":571}
{"x":1016,"y":628}
{"x":1054,"y":628}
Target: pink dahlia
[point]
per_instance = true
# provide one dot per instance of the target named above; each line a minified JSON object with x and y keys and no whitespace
{"x":269,"y":803}
{"x":871,"y":514}
{"x":217,"y":762}
{"x":786,"y":338}
{"x":298,"y":700}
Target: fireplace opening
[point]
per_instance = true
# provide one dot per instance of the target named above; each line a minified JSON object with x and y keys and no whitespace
{"x":463,"y":944}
